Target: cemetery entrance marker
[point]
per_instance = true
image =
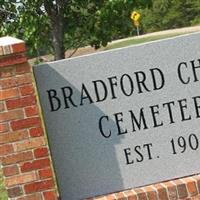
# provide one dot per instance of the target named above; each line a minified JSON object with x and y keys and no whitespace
{"x":123,"y":118}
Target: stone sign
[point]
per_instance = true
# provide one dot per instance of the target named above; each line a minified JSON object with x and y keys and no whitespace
{"x":123,"y":118}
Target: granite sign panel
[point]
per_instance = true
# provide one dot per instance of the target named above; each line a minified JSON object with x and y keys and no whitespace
{"x":123,"y":118}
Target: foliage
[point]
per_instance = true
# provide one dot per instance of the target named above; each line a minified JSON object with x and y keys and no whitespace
{"x":196,"y":10}
{"x":111,"y":21}
{"x":58,"y":25}
{"x":169,"y":14}
{"x":77,"y":22}
{"x":27,"y":22}
{"x":3,"y":194}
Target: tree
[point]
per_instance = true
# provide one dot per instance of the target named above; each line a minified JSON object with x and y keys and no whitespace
{"x":168,"y":14}
{"x":196,"y":10}
{"x":29,"y":22}
{"x":56,"y":25}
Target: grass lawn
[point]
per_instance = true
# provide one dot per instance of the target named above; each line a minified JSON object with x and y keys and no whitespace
{"x":136,"y":40}
{"x":3,"y":194}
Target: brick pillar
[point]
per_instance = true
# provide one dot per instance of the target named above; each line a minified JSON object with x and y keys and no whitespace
{"x":24,"y":152}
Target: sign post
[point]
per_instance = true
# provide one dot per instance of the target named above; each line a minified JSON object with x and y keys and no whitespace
{"x":135,"y":16}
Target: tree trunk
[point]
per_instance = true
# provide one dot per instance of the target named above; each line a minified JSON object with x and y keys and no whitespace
{"x":58,"y":39}
{"x":56,"y":16}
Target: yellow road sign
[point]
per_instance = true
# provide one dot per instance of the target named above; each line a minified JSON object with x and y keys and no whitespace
{"x":135,"y":16}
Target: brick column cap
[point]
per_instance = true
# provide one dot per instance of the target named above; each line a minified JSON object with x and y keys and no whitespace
{"x":10,"y":45}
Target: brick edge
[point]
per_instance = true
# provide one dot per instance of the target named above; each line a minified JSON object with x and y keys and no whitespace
{"x":182,"y":188}
{"x":17,"y":46}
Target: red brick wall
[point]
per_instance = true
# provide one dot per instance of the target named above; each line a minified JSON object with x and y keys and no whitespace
{"x":24,"y":153}
{"x":187,"y":188}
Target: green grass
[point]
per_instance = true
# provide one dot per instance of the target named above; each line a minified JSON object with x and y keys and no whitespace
{"x":135,"y":41}
{"x":3,"y":193}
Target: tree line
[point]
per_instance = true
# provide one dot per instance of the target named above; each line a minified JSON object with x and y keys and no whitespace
{"x":169,"y":14}
{"x":54,"y":26}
